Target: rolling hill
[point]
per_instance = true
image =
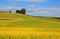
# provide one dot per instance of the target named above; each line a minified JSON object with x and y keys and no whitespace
{"x":19,"y":20}
{"x":19,"y":26}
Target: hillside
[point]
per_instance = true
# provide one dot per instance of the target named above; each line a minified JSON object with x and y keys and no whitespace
{"x":18,"y":26}
{"x":19,"y":20}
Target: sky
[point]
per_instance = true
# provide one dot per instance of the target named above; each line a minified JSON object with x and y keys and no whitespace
{"x":33,"y":7}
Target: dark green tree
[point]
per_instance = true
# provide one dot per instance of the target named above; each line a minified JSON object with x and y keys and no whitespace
{"x":17,"y":11}
{"x":22,"y":11}
{"x":9,"y":11}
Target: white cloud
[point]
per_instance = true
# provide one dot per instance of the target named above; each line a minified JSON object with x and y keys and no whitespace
{"x":8,"y":8}
{"x":32,"y":5}
{"x":50,"y":11}
{"x":14,"y":3}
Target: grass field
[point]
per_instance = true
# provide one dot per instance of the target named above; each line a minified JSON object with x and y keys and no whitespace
{"x":18,"y":26}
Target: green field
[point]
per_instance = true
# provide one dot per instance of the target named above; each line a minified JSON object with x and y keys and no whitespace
{"x":19,"y":26}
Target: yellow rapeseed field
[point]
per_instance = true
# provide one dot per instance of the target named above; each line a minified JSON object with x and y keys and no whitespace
{"x":18,"y":26}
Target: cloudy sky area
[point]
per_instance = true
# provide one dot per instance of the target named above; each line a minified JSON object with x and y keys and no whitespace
{"x":34,"y":7}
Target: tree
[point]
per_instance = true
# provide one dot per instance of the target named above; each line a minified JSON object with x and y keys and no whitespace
{"x":22,"y":11}
{"x":9,"y":11}
{"x":17,"y":11}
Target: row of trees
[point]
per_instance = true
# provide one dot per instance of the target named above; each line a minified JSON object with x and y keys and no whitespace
{"x":22,"y":11}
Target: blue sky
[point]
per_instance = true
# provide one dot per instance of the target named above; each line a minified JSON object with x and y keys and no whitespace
{"x":37,"y":7}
